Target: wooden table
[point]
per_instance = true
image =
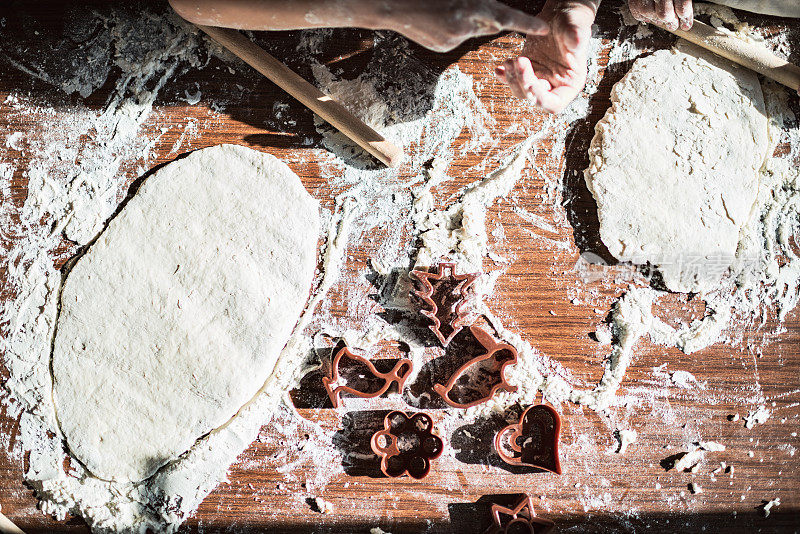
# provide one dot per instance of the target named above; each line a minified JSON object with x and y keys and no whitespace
{"x":600,"y":491}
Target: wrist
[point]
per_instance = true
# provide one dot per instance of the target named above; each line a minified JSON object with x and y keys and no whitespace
{"x":383,"y":14}
{"x":396,"y":15}
{"x":368,"y":14}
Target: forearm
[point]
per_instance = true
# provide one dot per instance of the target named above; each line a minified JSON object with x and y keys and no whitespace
{"x":437,"y":24}
{"x":283,"y":14}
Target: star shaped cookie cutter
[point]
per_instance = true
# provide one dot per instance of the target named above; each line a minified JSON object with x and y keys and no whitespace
{"x":444,"y":294}
{"x":533,"y":441}
{"x":522,"y":519}
{"x":399,"y":374}
{"x":406,"y":444}
{"x":492,"y":351}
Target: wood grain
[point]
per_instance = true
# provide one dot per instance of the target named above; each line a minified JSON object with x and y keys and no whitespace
{"x":597,"y":484}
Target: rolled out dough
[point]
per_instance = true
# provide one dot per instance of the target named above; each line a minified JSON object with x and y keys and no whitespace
{"x":674,"y":164}
{"x":174,"y":318}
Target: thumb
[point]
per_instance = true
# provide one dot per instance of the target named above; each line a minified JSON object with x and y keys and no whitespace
{"x":574,"y":37}
{"x":572,"y":40}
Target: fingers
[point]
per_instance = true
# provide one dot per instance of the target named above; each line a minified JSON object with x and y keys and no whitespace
{"x":518,"y":75}
{"x":552,"y":99}
{"x":488,"y":19}
{"x":670,"y":14}
{"x":569,"y":37}
{"x":665,"y":11}
{"x":572,"y":36}
{"x":521,"y":79}
{"x":685,"y":13}
{"x":637,"y":8}
{"x":515,"y":20}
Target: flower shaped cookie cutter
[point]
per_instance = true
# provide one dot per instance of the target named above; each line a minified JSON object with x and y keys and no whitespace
{"x":498,"y":355}
{"x":444,"y":294}
{"x":334,"y":386}
{"x":521,"y":519}
{"x":533,"y":441}
{"x":406,"y":444}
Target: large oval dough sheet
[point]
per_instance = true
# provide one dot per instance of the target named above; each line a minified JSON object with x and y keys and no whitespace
{"x":176,"y":315}
{"x":674,"y":164}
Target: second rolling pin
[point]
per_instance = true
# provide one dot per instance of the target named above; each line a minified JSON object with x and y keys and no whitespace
{"x":314,"y":99}
{"x":7,"y":527}
{"x":751,"y":54}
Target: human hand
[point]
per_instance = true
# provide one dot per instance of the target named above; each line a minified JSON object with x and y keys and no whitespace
{"x":552,"y":68}
{"x":442,"y":25}
{"x":670,"y":14}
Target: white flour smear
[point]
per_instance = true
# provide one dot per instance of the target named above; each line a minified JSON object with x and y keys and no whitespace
{"x":74,"y":184}
{"x":457,"y":230}
{"x":79,"y":163}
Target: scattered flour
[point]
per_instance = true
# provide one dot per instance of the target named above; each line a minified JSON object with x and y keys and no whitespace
{"x":689,"y":460}
{"x":685,"y":380}
{"x":603,"y":335}
{"x":74,"y":188}
{"x":757,"y":417}
{"x":14,"y":140}
{"x":711,"y":446}
{"x":767,"y":507}
{"x":74,"y":184}
{"x":322,"y":506}
{"x":626,"y":437}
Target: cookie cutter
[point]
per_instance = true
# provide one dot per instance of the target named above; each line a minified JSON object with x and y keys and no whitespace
{"x":406,"y":444}
{"x":492,"y":350}
{"x":539,"y":428}
{"x":523,"y":519}
{"x":445,"y":311}
{"x":399,"y":374}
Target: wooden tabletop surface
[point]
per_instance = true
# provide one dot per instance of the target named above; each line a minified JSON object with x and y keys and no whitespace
{"x":599,"y":491}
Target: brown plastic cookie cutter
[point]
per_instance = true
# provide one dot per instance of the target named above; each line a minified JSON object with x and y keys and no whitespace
{"x":521,"y":519}
{"x":407,"y":444}
{"x":500,"y":356}
{"x":534,"y":440}
{"x":444,"y":294}
{"x":399,"y":374}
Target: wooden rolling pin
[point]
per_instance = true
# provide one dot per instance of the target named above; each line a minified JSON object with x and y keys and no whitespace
{"x":750,"y":54}
{"x":314,"y":99}
{"x":7,"y":527}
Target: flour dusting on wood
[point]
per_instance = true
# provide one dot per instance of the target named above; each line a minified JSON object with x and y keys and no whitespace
{"x":79,"y":159}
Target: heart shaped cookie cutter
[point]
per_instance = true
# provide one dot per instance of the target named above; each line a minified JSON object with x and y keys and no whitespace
{"x":492,"y":351}
{"x":399,"y":374}
{"x":534,"y":440}
{"x":406,"y":444}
